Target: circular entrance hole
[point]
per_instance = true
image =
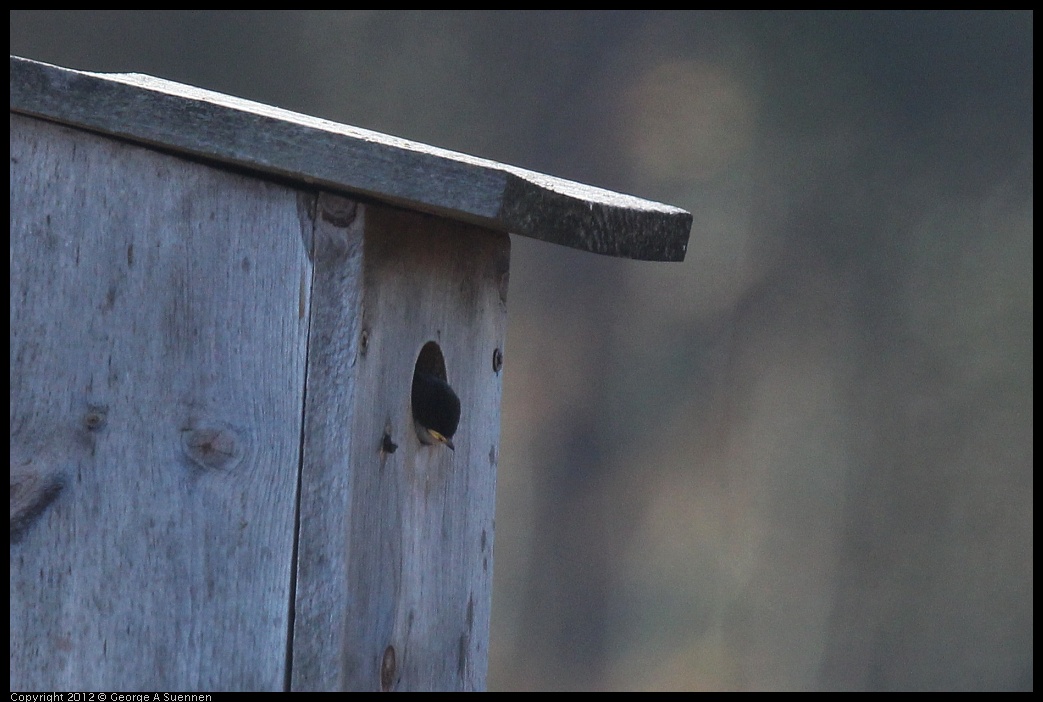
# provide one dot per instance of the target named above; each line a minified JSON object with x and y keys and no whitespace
{"x":435,"y":406}
{"x":431,"y":361}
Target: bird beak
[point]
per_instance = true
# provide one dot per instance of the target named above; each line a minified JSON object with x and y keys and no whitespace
{"x":441,"y":439}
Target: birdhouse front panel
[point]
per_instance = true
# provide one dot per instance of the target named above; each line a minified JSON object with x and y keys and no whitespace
{"x":415,"y":561}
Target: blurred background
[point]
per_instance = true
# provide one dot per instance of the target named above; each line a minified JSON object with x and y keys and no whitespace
{"x":801,"y":459}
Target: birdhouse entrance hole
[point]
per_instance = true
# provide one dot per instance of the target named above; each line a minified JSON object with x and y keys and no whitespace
{"x":436,"y":408}
{"x":431,"y":361}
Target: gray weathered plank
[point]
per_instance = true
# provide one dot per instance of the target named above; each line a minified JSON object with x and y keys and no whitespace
{"x":251,"y":135}
{"x":396,"y":546}
{"x":323,"y":592}
{"x":158,"y":331}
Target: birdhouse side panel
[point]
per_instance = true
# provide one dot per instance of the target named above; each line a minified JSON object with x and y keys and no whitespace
{"x":158,"y":335}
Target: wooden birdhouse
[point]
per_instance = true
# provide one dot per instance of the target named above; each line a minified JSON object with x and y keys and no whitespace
{"x":224,"y":473}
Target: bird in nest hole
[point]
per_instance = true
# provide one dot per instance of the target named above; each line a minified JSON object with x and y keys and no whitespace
{"x":436,"y":410}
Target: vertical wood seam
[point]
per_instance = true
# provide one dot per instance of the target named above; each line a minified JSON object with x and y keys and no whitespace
{"x":291,"y":618}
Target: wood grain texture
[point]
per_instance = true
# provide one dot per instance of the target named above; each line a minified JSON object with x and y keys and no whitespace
{"x":409,"y":174}
{"x":323,"y":593}
{"x":157,"y":371}
{"x":396,"y":537}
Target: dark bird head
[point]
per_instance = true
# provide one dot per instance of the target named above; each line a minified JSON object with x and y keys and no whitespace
{"x":436,"y":409}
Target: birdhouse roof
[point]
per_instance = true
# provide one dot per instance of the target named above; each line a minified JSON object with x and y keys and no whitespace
{"x":217,"y":127}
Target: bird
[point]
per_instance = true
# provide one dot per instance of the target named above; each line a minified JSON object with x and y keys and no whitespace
{"x":436,"y":410}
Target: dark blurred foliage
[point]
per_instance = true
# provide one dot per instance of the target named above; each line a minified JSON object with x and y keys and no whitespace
{"x":803,"y":458}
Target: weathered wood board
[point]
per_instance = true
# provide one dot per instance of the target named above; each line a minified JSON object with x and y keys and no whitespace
{"x":157,"y":369}
{"x":411,"y":578}
{"x":409,"y":174}
{"x":162,"y":311}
